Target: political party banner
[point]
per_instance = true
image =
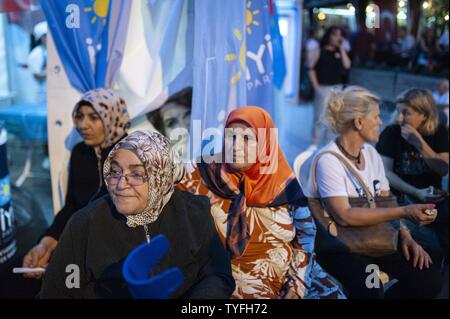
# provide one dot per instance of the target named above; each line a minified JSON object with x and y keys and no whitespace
{"x":89,"y":37}
{"x":238,"y":61}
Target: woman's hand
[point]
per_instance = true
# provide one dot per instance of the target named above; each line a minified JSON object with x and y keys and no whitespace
{"x":38,"y":256}
{"x":412,"y":136}
{"x":412,"y":250}
{"x":416,"y":213}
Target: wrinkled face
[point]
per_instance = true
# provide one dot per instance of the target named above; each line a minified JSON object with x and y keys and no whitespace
{"x":241,"y":146}
{"x":130,"y":194}
{"x":369,"y":126}
{"x":336,"y":38}
{"x":176,"y":116}
{"x":412,"y":117}
{"x":90,"y":126}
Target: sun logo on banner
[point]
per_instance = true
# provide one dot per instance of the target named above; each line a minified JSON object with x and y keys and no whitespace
{"x":233,"y":57}
{"x":250,"y":21}
{"x":251,"y":17}
{"x":100,"y":9}
{"x":5,"y":191}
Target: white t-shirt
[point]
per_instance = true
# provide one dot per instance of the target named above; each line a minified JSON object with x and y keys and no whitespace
{"x":37,"y":63}
{"x":334,"y":179}
{"x":347,"y":45}
{"x":312,"y":52}
{"x":37,"y":59}
{"x":407,"y":43}
{"x":440,"y":98}
{"x":312,"y":44}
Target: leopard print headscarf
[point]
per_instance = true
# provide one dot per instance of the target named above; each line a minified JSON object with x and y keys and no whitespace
{"x":161,"y":165}
{"x":112,"y":110}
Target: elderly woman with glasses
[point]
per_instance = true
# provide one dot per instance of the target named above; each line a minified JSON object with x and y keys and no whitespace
{"x":140,"y":172}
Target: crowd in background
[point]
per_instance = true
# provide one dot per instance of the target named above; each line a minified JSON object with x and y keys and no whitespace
{"x":427,"y":53}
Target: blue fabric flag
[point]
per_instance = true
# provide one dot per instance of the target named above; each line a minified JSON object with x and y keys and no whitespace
{"x":238,"y":60}
{"x":89,"y":36}
{"x":219,"y":60}
{"x":265,"y":56}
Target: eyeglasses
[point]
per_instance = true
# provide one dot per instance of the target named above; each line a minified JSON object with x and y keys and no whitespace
{"x":133,"y":179}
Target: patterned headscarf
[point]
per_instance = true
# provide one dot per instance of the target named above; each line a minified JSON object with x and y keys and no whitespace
{"x":112,"y":110}
{"x":251,"y":188}
{"x":161,"y":165}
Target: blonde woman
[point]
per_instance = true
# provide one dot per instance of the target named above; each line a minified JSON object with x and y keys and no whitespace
{"x":354,"y":115}
{"x":415,"y":151}
{"x":415,"y":154}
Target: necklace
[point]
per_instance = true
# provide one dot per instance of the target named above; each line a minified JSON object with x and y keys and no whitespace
{"x":147,"y":234}
{"x":357,"y":158}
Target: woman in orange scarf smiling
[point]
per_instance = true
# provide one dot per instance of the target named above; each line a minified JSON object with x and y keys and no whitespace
{"x":260,"y":214}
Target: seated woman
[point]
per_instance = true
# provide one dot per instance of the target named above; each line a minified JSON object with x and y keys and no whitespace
{"x":258,"y":215}
{"x":354,"y":115}
{"x":140,"y":173}
{"x":415,"y":154}
{"x":101,"y":118}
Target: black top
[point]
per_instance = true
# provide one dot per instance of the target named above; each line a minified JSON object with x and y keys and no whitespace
{"x":409,"y":164}
{"x":84,"y":183}
{"x":98,"y":240}
{"x":329,"y":68}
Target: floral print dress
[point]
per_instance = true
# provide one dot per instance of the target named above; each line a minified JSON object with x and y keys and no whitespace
{"x":279,"y":260}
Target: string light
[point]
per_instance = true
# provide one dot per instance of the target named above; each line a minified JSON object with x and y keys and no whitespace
{"x":321,"y":16}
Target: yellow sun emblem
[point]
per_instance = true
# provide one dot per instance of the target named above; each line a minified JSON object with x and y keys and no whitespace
{"x":251,"y":17}
{"x":100,"y":9}
{"x":6,"y":190}
{"x":233,"y":56}
{"x":250,"y":21}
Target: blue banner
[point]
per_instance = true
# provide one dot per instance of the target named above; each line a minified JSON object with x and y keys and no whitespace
{"x":89,"y":36}
{"x":238,"y":60}
{"x":219,"y":60}
{"x":265,"y":57}
{"x":7,"y":223}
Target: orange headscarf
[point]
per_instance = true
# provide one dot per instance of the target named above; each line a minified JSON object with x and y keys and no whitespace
{"x":261,"y":189}
{"x":251,"y":187}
